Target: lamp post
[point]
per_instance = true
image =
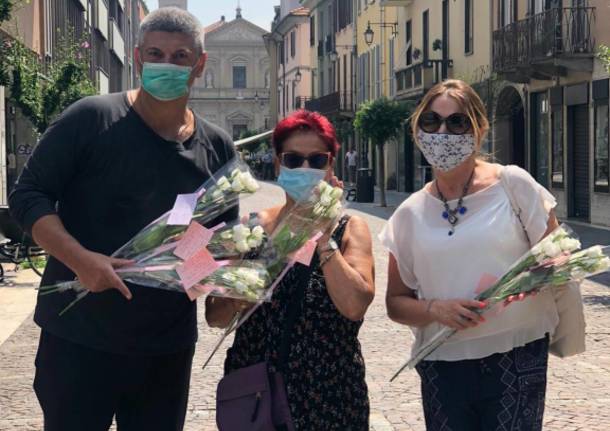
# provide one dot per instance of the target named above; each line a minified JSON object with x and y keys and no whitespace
{"x":369,"y":34}
{"x":334,"y":55}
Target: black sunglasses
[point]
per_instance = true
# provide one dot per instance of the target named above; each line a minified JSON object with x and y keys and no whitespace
{"x":457,"y":123}
{"x":314,"y":160}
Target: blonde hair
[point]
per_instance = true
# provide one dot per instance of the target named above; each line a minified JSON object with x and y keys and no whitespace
{"x":467,"y":99}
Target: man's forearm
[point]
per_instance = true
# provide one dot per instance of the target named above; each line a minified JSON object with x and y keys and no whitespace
{"x":49,"y":233}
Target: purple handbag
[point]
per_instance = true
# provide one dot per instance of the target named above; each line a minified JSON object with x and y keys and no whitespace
{"x":253,"y":399}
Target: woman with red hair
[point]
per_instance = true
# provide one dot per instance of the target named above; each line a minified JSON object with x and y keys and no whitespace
{"x":322,"y":364}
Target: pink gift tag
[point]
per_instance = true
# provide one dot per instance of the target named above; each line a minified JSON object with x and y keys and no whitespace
{"x":195,"y":238}
{"x":305,"y":253}
{"x":196,"y":268}
{"x":182,"y":212}
{"x":193,"y":293}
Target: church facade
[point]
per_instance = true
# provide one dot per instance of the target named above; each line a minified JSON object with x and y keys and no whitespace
{"x":233,"y":92}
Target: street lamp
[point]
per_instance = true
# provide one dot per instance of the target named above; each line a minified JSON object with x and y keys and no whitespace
{"x":334,"y":55}
{"x":298,"y":76}
{"x":369,"y":34}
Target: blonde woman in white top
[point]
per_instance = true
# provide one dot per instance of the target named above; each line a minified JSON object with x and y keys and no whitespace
{"x":443,"y":240}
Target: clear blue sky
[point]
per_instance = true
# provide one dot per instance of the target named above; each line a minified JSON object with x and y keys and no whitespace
{"x":260,"y":12}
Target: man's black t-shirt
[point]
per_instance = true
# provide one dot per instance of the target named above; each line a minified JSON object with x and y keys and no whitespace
{"x":107,"y":175}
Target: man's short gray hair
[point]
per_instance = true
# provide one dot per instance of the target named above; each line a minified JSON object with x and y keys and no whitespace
{"x":173,"y":20}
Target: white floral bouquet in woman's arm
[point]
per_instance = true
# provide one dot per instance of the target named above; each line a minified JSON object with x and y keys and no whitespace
{"x":553,"y":262}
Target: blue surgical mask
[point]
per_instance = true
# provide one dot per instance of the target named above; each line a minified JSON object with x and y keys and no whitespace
{"x":165,"y":81}
{"x":299,"y":182}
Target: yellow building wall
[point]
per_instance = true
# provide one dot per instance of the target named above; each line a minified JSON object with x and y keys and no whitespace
{"x":376,"y":14}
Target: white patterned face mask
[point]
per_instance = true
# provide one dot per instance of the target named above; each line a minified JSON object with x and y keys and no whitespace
{"x":445,"y":151}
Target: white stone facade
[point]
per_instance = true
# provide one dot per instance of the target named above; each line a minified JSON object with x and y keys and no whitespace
{"x":233,"y":92}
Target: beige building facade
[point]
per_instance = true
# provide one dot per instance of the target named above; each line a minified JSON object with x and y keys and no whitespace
{"x":234,"y":89}
{"x":551,"y":106}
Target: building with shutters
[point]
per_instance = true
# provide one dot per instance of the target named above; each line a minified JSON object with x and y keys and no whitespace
{"x":233,"y":91}
{"x":109,"y":27}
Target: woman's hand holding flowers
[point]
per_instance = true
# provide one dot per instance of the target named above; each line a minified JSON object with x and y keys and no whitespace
{"x":456,"y":313}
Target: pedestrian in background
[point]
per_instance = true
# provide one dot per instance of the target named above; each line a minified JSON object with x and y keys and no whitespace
{"x":105,"y":169}
{"x":351,"y":160}
{"x":492,"y":374}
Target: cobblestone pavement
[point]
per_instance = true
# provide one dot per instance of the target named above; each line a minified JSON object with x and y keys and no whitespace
{"x":578,"y":392}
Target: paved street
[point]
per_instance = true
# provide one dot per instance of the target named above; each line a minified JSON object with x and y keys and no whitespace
{"x":578,"y":393}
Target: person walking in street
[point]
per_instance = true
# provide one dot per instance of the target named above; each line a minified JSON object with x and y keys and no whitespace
{"x":107,"y":167}
{"x":320,"y":358}
{"x":351,"y":160}
{"x":268,"y":166}
{"x":492,"y":374}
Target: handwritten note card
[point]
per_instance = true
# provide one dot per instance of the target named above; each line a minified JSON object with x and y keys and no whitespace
{"x":196,"y":268}
{"x":195,"y":238}
{"x":182,"y":212}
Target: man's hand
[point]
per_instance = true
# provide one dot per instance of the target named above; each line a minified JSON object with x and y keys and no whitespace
{"x":97,"y":273}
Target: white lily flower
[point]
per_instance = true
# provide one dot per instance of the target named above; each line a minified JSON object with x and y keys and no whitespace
{"x":325,"y":199}
{"x":217,"y":193}
{"x":318,"y":210}
{"x":604,"y":264}
{"x":258,"y":232}
{"x":335,"y":210}
{"x":551,"y":249}
{"x":237,"y":185}
{"x":227,"y":234}
{"x":594,"y":252}
{"x":242,"y":246}
{"x":336,"y":193}
{"x":569,"y":244}
{"x":240,"y":232}
{"x":250,"y":184}
{"x":235,"y":172}
{"x":223,"y":184}
{"x":240,"y":286}
{"x":253,"y":242}
{"x":323,"y":186}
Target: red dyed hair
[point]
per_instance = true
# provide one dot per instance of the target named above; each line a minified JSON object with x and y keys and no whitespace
{"x":305,"y":121}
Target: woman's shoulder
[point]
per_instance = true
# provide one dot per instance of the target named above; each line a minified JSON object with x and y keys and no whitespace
{"x":517,"y":176}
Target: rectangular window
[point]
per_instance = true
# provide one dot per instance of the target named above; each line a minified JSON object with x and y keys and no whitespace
{"x":557,"y":139}
{"x":468,"y":26}
{"x":540,"y":148}
{"x":293,"y":44}
{"x":312,"y":30}
{"x":426,"y":34}
{"x":239,"y":76}
{"x":409,"y":42}
{"x":391,"y":68}
{"x":239,"y":130}
{"x":602,"y":170}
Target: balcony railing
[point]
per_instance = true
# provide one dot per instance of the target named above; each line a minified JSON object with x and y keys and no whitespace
{"x":417,"y":78}
{"x":301,"y":101}
{"x":556,"y":37}
{"x":333,"y":103}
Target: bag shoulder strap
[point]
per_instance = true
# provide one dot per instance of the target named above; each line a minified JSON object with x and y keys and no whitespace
{"x":511,"y":198}
{"x":295,"y":306}
{"x":293,"y":312}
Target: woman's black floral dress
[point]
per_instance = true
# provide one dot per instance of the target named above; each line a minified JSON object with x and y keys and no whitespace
{"x":324,"y":373}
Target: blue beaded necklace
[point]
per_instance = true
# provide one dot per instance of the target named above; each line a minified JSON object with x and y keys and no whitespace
{"x":451,"y":214}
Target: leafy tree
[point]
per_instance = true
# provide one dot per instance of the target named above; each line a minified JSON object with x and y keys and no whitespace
{"x":6,"y":7}
{"x":603,"y":54}
{"x":40,"y":90}
{"x":381,"y":120}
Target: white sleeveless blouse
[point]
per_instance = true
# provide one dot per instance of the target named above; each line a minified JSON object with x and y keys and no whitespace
{"x":488,"y":239}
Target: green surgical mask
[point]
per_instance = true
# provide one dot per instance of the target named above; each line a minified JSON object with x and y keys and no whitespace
{"x":165,"y":81}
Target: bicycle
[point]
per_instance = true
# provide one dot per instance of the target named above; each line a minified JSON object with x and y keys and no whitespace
{"x":17,"y":247}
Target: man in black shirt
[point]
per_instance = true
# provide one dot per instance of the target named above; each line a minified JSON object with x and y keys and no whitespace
{"x":105,"y":169}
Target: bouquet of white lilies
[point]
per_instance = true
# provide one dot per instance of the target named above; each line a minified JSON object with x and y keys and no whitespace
{"x":553,"y":262}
